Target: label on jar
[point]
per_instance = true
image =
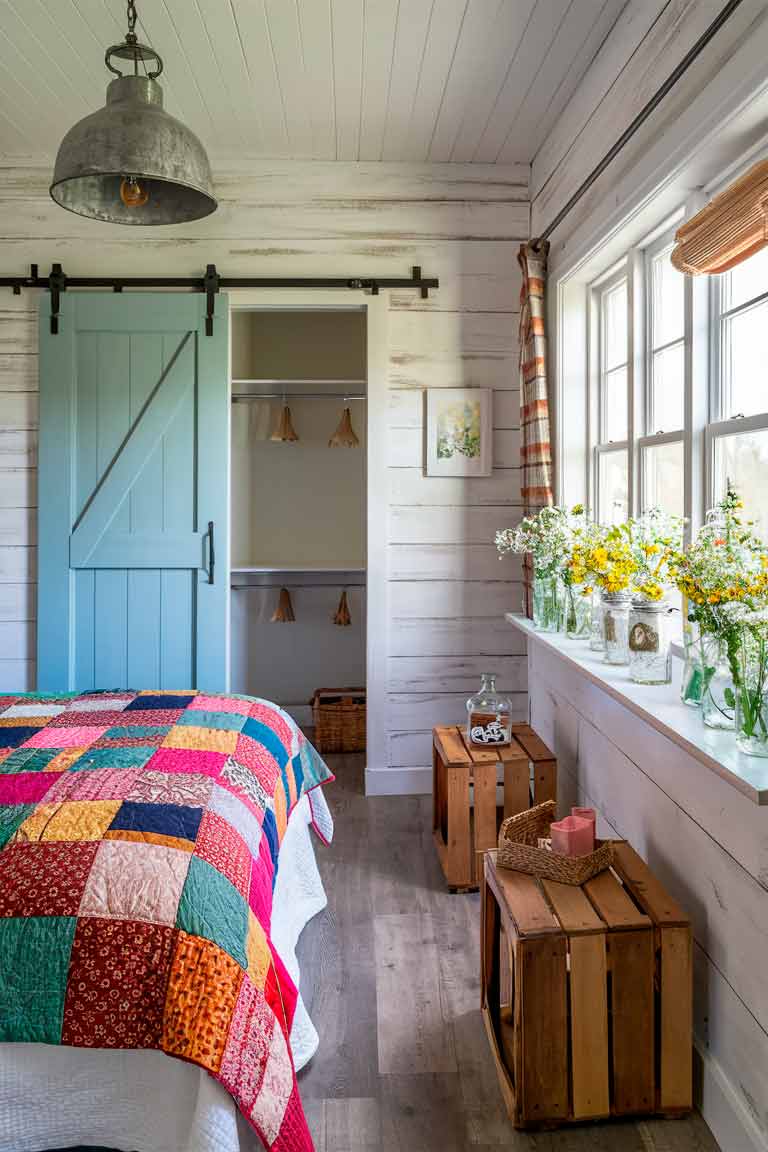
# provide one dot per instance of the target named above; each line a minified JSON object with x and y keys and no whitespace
{"x":643,"y":638}
{"x":489,"y":728}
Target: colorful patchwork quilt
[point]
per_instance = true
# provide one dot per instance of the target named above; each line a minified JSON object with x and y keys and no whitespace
{"x":139,"y":843}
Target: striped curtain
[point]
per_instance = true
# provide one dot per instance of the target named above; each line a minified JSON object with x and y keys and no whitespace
{"x":535,"y":449}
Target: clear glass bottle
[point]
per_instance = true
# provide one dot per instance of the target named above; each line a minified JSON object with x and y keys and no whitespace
{"x":718,"y":699}
{"x":752,"y":694}
{"x":596,"y":641}
{"x":650,"y":655}
{"x":546,"y":603}
{"x":616,"y":627}
{"x":692,"y":679}
{"x":489,"y":715}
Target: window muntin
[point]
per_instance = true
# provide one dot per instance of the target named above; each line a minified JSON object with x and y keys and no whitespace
{"x":666,"y":370}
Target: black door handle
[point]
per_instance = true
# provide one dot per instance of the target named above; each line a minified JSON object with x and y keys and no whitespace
{"x":211,"y":552}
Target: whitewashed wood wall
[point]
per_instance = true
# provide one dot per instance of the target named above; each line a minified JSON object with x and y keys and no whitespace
{"x":462,"y":223}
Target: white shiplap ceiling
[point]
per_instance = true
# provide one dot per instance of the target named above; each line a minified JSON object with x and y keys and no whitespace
{"x":400,"y":80}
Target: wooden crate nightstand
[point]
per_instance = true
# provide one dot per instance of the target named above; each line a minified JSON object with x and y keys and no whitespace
{"x":587,"y":994}
{"x":460,"y":833}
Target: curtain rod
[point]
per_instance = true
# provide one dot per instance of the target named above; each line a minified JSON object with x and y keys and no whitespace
{"x":709,"y":33}
{"x":57,"y":282}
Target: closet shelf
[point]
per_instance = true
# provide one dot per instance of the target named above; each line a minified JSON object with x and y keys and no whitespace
{"x":297,"y":577}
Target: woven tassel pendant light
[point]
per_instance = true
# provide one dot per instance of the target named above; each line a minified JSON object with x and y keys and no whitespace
{"x":285,"y":430}
{"x":342,"y":617}
{"x":283,"y":614}
{"x":344,"y":436}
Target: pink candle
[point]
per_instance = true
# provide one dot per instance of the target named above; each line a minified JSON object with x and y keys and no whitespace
{"x":572,"y":836}
{"x":586,"y":814}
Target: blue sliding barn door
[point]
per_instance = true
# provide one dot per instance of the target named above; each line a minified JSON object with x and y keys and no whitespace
{"x":133,"y":494}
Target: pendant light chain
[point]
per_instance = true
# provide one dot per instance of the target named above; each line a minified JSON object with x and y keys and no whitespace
{"x":131,"y":18}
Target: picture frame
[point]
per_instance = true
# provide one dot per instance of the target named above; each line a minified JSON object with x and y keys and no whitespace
{"x":459,"y":433}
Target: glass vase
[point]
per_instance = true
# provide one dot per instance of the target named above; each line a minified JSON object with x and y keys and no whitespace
{"x":596,"y":642}
{"x":752,"y":694}
{"x":546,"y":603}
{"x":718,"y":699}
{"x":489,"y":715}
{"x":692,"y":680}
{"x":616,"y":627}
{"x":576,"y":611}
{"x":650,"y":655}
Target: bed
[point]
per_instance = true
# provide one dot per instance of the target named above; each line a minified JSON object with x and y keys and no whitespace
{"x":156,"y":871}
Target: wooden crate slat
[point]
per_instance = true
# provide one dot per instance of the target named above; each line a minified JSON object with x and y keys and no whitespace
{"x":513,"y":753}
{"x":544,"y":780}
{"x":647,"y":890}
{"x":485,"y":813}
{"x":632,"y":1021}
{"x":541,"y":973}
{"x":613,"y":903}
{"x":531,"y":744}
{"x":526,"y":903}
{"x":450,"y":745}
{"x":676,"y":1019}
{"x":589,"y":1026}
{"x":517,"y":786}
{"x":572,"y":908}
{"x":458,"y":858}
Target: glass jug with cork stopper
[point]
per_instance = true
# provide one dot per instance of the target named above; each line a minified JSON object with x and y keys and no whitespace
{"x":489,"y":716}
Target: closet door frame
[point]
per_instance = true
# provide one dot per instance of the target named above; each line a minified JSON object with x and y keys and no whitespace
{"x":376,"y":309}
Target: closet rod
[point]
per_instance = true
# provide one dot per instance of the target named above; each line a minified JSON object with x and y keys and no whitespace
{"x":237,"y":397}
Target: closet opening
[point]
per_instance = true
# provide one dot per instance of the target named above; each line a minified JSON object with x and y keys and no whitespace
{"x":298,"y":603}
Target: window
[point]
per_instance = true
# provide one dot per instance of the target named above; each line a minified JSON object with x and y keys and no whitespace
{"x":651,"y":416}
{"x":612,"y":402}
{"x":737,"y":437}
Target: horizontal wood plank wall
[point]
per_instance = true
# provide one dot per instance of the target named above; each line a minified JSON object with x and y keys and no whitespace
{"x":462,"y":223}
{"x":641,"y":50}
{"x":707,"y":844}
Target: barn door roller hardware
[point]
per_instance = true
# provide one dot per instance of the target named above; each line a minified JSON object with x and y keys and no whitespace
{"x":211,"y":283}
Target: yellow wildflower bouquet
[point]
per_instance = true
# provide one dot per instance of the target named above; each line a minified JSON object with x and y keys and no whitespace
{"x":612,"y":560}
{"x":654,"y":538}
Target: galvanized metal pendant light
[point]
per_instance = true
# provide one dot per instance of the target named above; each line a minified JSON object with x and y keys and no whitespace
{"x":131,"y":162}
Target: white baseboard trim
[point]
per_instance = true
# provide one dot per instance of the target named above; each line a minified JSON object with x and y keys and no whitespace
{"x":724,"y":1112}
{"x":398,"y":781}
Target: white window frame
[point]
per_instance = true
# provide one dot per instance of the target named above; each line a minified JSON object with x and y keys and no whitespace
{"x":596,"y":422}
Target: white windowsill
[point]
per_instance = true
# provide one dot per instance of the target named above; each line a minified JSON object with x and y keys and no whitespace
{"x":660,"y":706}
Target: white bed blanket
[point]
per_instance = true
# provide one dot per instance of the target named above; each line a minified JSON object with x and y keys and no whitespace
{"x":146,"y":1101}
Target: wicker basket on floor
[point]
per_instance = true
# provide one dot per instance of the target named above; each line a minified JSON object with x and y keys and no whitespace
{"x":518,"y":849}
{"x":339,"y":718}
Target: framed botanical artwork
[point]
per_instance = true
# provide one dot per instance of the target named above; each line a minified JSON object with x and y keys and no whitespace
{"x":459,"y":433}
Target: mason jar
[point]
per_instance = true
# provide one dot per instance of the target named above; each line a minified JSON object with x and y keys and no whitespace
{"x":596,"y":641}
{"x":692,"y":679}
{"x":650,"y":654}
{"x":576,"y":611}
{"x":616,"y":627}
{"x":546,"y":603}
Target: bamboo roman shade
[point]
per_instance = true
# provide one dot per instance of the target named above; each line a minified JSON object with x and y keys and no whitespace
{"x":730,"y":229}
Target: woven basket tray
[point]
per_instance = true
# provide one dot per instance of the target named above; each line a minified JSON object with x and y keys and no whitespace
{"x":518,"y":849}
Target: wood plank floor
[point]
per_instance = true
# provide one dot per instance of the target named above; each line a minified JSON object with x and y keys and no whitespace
{"x":390,"y":976}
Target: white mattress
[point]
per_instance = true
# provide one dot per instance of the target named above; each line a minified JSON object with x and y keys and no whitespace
{"x":145,"y":1101}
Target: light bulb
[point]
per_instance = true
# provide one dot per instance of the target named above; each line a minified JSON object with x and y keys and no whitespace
{"x":134,"y":193}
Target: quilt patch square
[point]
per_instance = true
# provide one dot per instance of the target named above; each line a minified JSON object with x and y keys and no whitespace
{"x":274,"y":718}
{"x":266,"y":736}
{"x":186,"y":760}
{"x":34,"y":962}
{"x":258,"y":952}
{"x":99,"y":784}
{"x":212,"y":907}
{"x":171,"y":788}
{"x":117,"y":979}
{"x":11,"y":816}
{"x":221,"y":721}
{"x":104,"y":701}
{"x":242,"y":818}
{"x":68,"y":820}
{"x":203,"y":703}
{"x":64,"y":760}
{"x":225,"y":850}
{"x":78,"y":736}
{"x":202,"y":992}
{"x":28,"y":760}
{"x":89,"y":718}
{"x":24,"y":787}
{"x":44,"y":879}
{"x":135,"y":881}
{"x":138,"y":733}
{"x":11,"y":737}
{"x":175,"y":820}
{"x":204,"y":739}
{"x":159,"y":701}
{"x":115,"y":757}
{"x":45,"y":710}
{"x":245,"y":782}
